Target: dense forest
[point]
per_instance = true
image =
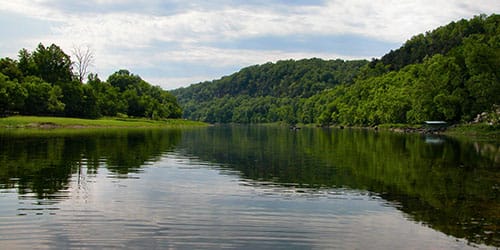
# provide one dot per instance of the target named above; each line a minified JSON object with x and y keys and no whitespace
{"x":42,"y":82}
{"x":265,"y":93}
{"x":451,"y":73}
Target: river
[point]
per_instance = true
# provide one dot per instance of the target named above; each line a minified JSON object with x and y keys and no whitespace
{"x":246,"y":187}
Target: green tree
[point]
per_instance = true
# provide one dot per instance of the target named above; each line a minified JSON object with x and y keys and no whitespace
{"x":482,"y":62}
{"x":43,"y":98}
{"x":437,"y":94}
{"x":55,"y":105}
{"x":90,"y":109}
{"x":122,"y":79}
{"x":49,"y":63}
{"x":143,"y":100}
{"x":12,"y":95}
{"x":73,"y":94}
{"x":10,"y":68}
{"x":109,"y":101}
{"x":26,"y":63}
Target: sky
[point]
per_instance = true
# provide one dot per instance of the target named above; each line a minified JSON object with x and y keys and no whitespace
{"x":175,"y":43}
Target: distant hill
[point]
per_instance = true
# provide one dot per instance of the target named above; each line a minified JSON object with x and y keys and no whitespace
{"x":289,"y":78}
{"x":451,"y":73}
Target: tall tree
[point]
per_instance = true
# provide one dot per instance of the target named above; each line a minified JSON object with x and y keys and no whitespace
{"x":49,"y":63}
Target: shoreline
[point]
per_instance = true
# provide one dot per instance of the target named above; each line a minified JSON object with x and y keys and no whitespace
{"x":476,"y":131}
{"x":48,"y":122}
{"x":480,"y":131}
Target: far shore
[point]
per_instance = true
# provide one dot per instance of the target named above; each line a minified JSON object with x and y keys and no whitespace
{"x":46,"y":122}
{"x":474,"y":131}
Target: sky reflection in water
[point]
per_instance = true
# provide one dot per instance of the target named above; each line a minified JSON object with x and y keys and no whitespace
{"x":183,"y":199}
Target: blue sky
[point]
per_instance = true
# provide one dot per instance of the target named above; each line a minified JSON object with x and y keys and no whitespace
{"x":175,"y":43}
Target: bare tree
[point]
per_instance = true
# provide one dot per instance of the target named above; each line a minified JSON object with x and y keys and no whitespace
{"x":84,"y":59}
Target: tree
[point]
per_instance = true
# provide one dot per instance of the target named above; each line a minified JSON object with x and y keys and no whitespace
{"x":49,"y":63}
{"x":84,"y":59}
{"x":43,"y":98}
{"x":72,"y":97}
{"x":53,"y":65}
{"x":10,"y":68}
{"x":54,"y":104}
{"x":26,"y":63}
{"x":109,"y":100}
{"x":122,"y":79}
{"x":12,"y":95}
{"x":140,"y":98}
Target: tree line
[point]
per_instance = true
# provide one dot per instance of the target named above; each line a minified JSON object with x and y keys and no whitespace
{"x":450,"y":74}
{"x":42,"y":82}
{"x":265,"y":93}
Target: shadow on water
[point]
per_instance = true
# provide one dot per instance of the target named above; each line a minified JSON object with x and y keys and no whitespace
{"x":451,"y":186}
{"x":42,"y":162}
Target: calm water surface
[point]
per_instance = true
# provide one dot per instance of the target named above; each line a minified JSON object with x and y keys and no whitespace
{"x":246,"y":188}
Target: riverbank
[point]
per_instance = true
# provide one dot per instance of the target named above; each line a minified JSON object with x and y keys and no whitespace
{"x":42,"y":122}
{"x":478,"y":131}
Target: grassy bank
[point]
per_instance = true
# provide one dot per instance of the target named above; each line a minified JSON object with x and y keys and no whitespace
{"x":477,"y":131}
{"x":109,"y":122}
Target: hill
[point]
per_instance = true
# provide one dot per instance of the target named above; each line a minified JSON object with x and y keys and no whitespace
{"x":450,"y":73}
{"x":439,"y":41}
{"x":288,"y":78}
{"x":259,"y":91}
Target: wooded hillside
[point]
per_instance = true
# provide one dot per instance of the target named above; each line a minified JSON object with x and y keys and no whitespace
{"x":451,"y":73}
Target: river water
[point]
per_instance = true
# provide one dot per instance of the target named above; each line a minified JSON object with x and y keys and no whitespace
{"x":246,"y":187}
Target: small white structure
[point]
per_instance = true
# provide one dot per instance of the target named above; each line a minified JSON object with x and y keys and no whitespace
{"x":433,"y":126}
{"x":436,"y":123}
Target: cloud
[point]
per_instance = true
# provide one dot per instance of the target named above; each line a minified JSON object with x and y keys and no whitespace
{"x":385,"y":19}
{"x":170,"y":83}
{"x":224,"y":34}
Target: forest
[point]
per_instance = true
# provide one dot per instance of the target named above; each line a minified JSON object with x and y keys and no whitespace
{"x":450,"y":74}
{"x":43,"y":83}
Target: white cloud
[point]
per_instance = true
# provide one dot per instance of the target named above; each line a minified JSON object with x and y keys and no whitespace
{"x":129,"y":37}
{"x":219,"y":61}
{"x":384,"y":19}
{"x":170,"y":83}
{"x":227,"y":57}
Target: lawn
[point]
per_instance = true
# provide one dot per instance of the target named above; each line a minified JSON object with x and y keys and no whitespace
{"x":112,"y":122}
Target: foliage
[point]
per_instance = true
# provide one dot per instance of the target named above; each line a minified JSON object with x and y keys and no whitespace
{"x":264,"y":93}
{"x":42,"y":83}
{"x":142,"y":99}
{"x":12,"y":95}
{"x":43,"y":98}
{"x":49,"y":63}
{"x":448,"y":74}
{"x":439,"y":41}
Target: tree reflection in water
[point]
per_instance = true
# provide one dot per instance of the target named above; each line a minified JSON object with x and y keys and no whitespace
{"x":451,"y":186}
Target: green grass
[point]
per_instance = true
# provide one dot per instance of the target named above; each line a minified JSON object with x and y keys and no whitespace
{"x":399,"y":126}
{"x":476,"y":131}
{"x":108,"y":122}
